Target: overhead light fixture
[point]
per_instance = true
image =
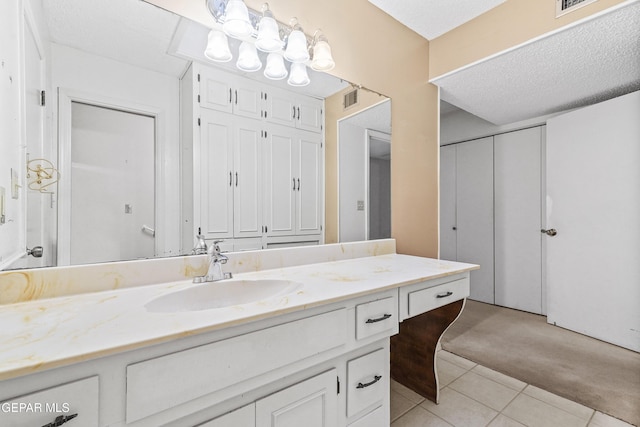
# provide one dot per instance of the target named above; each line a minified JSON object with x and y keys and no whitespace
{"x":275,"y":69}
{"x":268,"y":38}
{"x":261,"y":31}
{"x":298,"y":75}
{"x":236,"y":20}
{"x":217,"y":47}
{"x":322,"y":59}
{"x":248,"y":58}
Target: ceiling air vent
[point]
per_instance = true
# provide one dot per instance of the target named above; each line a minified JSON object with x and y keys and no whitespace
{"x":350,"y":98}
{"x":566,"y":6}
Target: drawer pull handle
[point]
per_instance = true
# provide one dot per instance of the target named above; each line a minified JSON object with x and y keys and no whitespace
{"x":61,"y":419}
{"x":375,"y":380}
{"x":379,"y":319}
{"x":444,"y":294}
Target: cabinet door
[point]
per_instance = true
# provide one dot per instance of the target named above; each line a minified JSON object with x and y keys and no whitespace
{"x":309,"y":184}
{"x":309,"y":114}
{"x":312,"y":403}
{"x":247,"y":100}
{"x":215,"y":175}
{"x":518,"y":220}
{"x":216,"y":90}
{"x":448,"y":203}
{"x":281,"y":107}
{"x":78,"y":400}
{"x":279,"y":154}
{"x":474,"y":201}
{"x":247,"y":178}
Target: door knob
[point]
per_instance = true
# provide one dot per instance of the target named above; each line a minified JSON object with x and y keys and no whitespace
{"x":36,"y":252}
{"x":550,"y":232}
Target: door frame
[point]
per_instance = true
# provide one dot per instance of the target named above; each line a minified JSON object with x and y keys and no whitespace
{"x":65,"y":99}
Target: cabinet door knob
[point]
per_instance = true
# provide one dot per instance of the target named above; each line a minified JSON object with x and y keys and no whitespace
{"x":550,"y":232}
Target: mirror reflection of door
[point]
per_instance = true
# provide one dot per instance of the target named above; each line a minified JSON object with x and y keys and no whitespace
{"x":364,"y":178}
{"x":112,"y":185}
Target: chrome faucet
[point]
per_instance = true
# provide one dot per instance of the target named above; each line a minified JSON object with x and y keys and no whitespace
{"x":201,"y":245}
{"x":216,"y":259}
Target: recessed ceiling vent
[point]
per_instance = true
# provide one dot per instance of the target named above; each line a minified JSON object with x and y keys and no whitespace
{"x":350,"y":98}
{"x":566,"y":6}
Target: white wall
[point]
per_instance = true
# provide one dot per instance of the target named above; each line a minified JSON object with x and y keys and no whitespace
{"x":12,"y":232}
{"x":75,"y":71}
{"x":352,"y":158}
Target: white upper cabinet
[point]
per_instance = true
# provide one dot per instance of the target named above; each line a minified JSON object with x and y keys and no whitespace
{"x":293,"y":182}
{"x":230,"y":94}
{"x":289,"y":109}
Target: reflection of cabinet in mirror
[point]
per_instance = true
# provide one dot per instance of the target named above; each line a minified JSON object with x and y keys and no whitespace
{"x":250,"y":176}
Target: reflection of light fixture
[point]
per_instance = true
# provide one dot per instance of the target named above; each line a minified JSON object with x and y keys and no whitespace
{"x":236,"y":20}
{"x":268,"y":39}
{"x":260,"y":30}
{"x":298,"y":75}
{"x":275,"y":69}
{"x":217,"y":47}
{"x":248,"y":58}
{"x":296,"y":45}
{"x":322,"y":59}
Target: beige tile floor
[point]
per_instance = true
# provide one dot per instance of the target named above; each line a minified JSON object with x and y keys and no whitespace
{"x":472,"y":395}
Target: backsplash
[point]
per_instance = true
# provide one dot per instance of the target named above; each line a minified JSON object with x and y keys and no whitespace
{"x":31,"y":284}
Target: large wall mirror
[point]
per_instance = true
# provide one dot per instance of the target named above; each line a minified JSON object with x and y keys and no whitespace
{"x":112,"y":128}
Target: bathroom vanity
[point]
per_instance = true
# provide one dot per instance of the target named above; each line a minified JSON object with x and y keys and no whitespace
{"x":298,"y":337}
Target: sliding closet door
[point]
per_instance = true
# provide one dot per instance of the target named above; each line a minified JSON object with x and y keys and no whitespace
{"x":474,"y":201}
{"x":518,"y":219}
{"x":448,"y":203}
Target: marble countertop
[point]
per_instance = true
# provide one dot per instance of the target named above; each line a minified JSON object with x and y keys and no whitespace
{"x":47,"y":333}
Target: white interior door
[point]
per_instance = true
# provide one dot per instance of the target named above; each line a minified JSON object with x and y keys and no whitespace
{"x":112,"y":185}
{"x":593,"y":189}
{"x":518,"y":220}
{"x":474,"y":201}
{"x":247,"y":191}
{"x":309,"y":183}
{"x":448,"y":203}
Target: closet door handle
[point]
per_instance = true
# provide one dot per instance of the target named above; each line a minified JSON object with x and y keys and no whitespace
{"x":236,"y":97}
{"x":294,"y":184}
{"x":298,"y":113}
{"x":236,"y":179}
{"x":294,"y":112}
{"x":230,"y":93}
{"x":298,"y":184}
{"x":230,"y":179}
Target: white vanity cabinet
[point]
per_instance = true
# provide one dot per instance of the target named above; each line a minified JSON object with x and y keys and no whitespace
{"x":294,"y":178}
{"x":76,"y":403}
{"x":292,"y":110}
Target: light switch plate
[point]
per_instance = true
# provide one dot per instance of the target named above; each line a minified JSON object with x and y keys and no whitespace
{"x":360,"y":205}
{"x":15,"y":184}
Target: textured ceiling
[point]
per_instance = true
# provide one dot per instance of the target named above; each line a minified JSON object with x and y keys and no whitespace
{"x":141,"y":34}
{"x":377,"y":118}
{"x":590,"y":62}
{"x":432,"y":18}
{"x":129,"y":31}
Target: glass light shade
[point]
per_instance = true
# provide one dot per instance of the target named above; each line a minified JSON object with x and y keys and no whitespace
{"x":268,"y":39}
{"x":236,"y":20}
{"x":322,"y":59}
{"x":217,"y":47}
{"x":297,"y":47}
{"x":248,"y":58}
{"x":298,"y":75}
{"x":275,"y":69}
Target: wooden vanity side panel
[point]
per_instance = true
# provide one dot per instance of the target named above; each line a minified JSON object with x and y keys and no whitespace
{"x":413,"y":350}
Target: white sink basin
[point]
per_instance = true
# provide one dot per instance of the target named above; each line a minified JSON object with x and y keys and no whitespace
{"x":222,"y":294}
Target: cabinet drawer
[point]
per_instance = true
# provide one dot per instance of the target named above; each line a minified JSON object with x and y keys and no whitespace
{"x":43,"y":407}
{"x":376,"y":317}
{"x":374,"y":418}
{"x":167,"y":381}
{"x":424,"y":300}
{"x":367,"y":380}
